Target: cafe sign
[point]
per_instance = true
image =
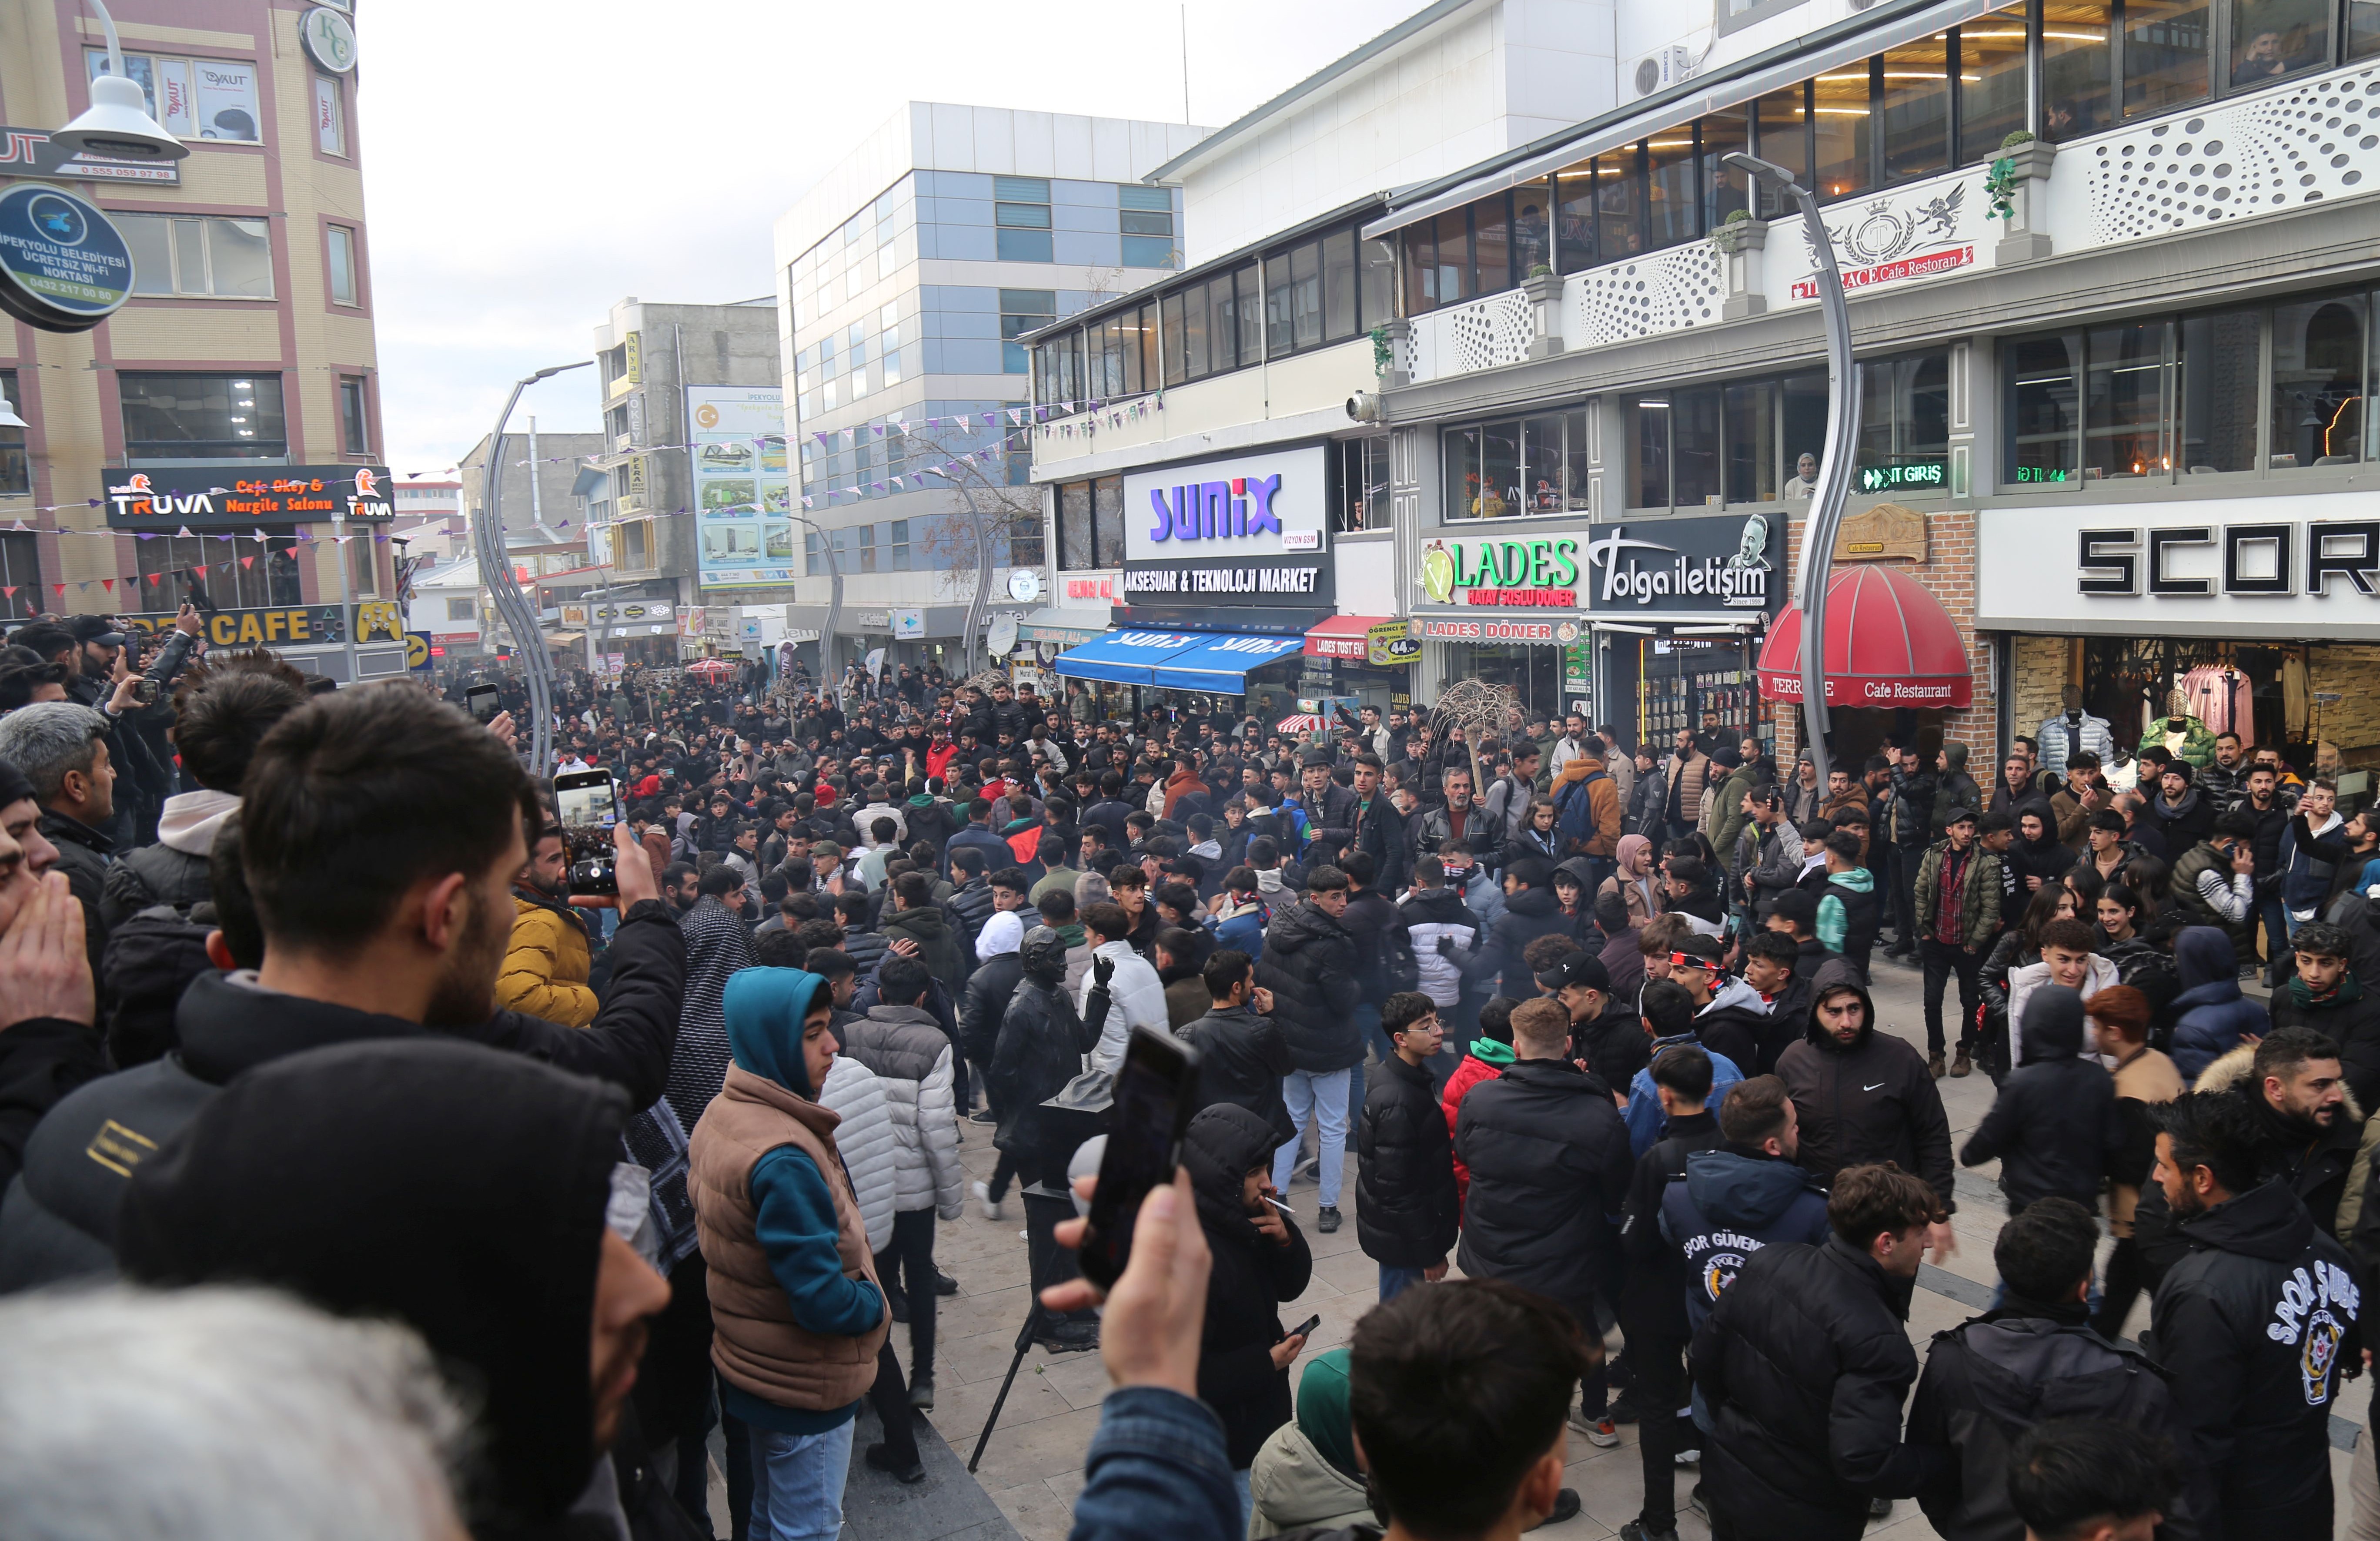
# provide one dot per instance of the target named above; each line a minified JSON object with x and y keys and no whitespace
{"x":232,"y":495}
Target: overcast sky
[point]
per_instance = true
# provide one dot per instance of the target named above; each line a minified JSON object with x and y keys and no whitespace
{"x":528,"y":163}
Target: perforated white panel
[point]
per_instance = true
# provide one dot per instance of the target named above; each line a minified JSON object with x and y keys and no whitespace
{"x":1665,"y":292}
{"x":1490,"y":333}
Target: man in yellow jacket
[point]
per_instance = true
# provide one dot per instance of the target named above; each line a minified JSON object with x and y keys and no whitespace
{"x":545,"y":967}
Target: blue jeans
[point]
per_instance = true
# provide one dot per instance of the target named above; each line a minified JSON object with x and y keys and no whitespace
{"x":2278,"y":929}
{"x":1322,"y":1096}
{"x":1396,"y":1281}
{"x":797,"y":1483}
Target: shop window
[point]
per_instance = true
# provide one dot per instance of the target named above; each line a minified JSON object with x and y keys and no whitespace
{"x":1175,"y":325}
{"x":1306,"y":296}
{"x":1991,"y":83}
{"x":1724,"y":188}
{"x":1750,"y":412}
{"x":1543,"y":468}
{"x":1140,"y":348}
{"x":2043,"y":421}
{"x":2221,"y":360}
{"x":1782,"y":120}
{"x":2271,"y":39}
{"x":1194,"y":331}
{"x":173,"y":560}
{"x":1107,"y":523}
{"x":1075,"y":527}
{"x":2166,"y":44}
{"x":2318,"y":358}
{"x":1377,"y":282}
{"x":224,"y":259}
{"x":1648,"y":444}
{"x":1339,"y":286}
{"x":1841,"y":115}
{"x":1905,"y":410}
{"x":1576,"y":458}
{"x":1491,"y":246}
{"x":202,"y":417}
{"x":2363,"y":28}
{"x":1619,"y":207}
{"x":1695,"y":457}
{"x":1574,"y":219}
{"x":1420,"y":242}
{"x":1670,"y":214}
{"x":16,"y":470}
{"x":1362,"y":489}
{"x":1223,"y":324}
{"x":1451,"y":274}
{"x":1500,"y":470}
{"x":1532,"y":227}
{"x":1459,"y":465}
{"x":1915,"y":95}
{"x":2124,"y":402}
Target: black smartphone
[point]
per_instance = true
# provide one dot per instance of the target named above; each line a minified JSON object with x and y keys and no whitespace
{"x":1306,"y":1329}
{"x":1155,"y":1093}
{"x":587,"y":805}
{"x":481,"y":701}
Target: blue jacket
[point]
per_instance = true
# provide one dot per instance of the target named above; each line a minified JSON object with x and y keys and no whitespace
{"x":1156,"y":1467}
{"x":2210,"y":1013}
{"x":1245,"y":930}
{"x":1645,"y":1117}
{"x":795,"y":1209}
{"x":996,"y":852}
{"x":1729,"y":1205}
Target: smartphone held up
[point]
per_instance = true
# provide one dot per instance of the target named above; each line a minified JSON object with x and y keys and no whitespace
{"x":587,"y":804}
{"x":1155,"y":1095}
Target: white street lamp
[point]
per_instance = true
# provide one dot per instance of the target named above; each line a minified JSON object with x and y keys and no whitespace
{"x":117,"y":125}
{"x":8,"y":418}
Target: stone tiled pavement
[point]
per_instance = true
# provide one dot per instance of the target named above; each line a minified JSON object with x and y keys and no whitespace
{"x":1033,"y":1466}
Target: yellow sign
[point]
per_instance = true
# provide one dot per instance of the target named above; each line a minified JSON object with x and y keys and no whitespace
{"x":635,"y":356}
{"x":417,"y":650}
{"x":1390,"y":644}
{"x":378,"y":621}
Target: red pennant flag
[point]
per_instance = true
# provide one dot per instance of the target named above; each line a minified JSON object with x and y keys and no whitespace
{"x":108,"y":583}
{"x":200,"y":571}
{"x":9,"y":589}
{"x":247,"y":561}
{"x":58,"y":589}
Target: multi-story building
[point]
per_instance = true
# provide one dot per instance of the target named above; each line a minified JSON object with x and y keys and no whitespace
{"x":908,"y":278}
{"x":244,"y":355}
{"x":2111,"y":293}
{"x":692,"y":491}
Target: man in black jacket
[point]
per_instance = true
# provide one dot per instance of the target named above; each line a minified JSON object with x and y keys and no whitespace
{"x":1864,"y":1096}
{"x":2053,"y":1126}
{"x":1310,"y":966}
{"x":2325,"y":995}
{"x":2254,"y":1325}
{"x":1407,"y":1208}
{"x":2031,"y":1358}
{"x":1531,"y":911}
{"x":1803,"y":1363}
{"x":1548,"y":1161}
{"x":1330,"y":809}
{"x":1652,"y":1307}
{"x":1908,"y":830}
{"x":1242,"y":1056}
{"x":382,"y":830}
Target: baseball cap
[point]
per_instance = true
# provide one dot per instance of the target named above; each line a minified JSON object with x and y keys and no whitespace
{"x":1581,"y":968}
{"x":95,"y":628}
{"x":1958,"y":815}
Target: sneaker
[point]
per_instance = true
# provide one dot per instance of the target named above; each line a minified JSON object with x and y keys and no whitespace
{"x":1067,"y":1337}
{"x":1566,"y":1507}
{"x":1688,"y":1458}
{"x":1636,"y":1530}
{"x":944,"y":1284}
{"x":1603,"y":1433}
{"x":1962,"y":1065}
{"x":1934,"y":1065}
{"x":988,"y":1205}
{"x":921,"y":1390}
{"x":1326,"y":1219}
{"x":984,"y":1115}
{"x":1307,"y":1170}
{"x":881,"y":1458}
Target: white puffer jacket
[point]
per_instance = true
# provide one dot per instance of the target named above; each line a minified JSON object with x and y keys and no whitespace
{"x":1135,"y":998}
{"x":911,"y":1056}
{"x":865,"y":1139}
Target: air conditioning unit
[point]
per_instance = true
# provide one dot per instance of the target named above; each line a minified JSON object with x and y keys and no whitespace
{"x":1671,"y":65}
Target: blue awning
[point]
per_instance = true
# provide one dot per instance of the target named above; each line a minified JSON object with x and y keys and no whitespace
{"x":1175,"y":660}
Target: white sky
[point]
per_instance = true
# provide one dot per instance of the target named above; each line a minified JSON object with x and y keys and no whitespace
{"x":529,"y":161}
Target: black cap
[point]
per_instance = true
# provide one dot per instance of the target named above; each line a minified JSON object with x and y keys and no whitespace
{"x":95,"y":628}
{"x":1316,"y":757}
{"x":1581,"y":968}
{"x":1958,"y":815}
{"x":1797,"y":907}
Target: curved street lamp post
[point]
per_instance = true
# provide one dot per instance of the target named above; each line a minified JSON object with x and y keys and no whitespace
{"x":496,"y":572}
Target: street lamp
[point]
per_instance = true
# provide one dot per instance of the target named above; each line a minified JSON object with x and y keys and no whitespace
{"x":982,"y":565}
{"x":496,"y":572}
{"x":827,"y":678}
{"x":117,"y":125}
{"x":1834,"y":466}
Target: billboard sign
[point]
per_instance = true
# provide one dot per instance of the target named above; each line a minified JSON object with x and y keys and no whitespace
{"x":742,"y":497}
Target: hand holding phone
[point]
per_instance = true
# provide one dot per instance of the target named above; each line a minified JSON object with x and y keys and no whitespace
{"x":1155,"y":1092}
{"x":480,"y":700}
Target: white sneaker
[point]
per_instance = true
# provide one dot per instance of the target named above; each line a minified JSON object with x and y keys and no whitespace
{"x":990,"y":1205}
{"x":1688,"y":1458}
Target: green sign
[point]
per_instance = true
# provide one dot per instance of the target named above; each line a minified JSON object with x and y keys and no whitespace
{"x":1906,"y":476}
{"x":1539,"y":572}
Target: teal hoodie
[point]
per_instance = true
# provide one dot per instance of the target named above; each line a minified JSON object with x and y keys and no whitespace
{"x":1833,"y":924}
{"x":794,"y":1208}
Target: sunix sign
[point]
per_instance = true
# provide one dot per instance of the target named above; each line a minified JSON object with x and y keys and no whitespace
{"x":1213,"y":510}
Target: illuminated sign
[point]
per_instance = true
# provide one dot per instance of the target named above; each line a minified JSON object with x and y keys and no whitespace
{"x":1908,"y":476}
{"x":231,"y":496}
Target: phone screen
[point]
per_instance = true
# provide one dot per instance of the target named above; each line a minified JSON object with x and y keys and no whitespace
{"x":587,"y":803}
{"x":1153,"y":1095}
{"x":482,"y":700}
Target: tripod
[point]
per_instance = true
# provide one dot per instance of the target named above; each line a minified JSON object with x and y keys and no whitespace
{"x":1044,"y":1208}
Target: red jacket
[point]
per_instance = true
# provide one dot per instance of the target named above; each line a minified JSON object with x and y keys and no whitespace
{"x":939,"y":758}
{"x":1470,"y":1074}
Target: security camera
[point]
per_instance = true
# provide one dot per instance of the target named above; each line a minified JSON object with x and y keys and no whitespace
{"x":1364,"y":406}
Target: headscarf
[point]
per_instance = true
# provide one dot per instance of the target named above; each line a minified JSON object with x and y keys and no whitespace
{"x":1324,"y":1415}
{"x":1625,"y":853}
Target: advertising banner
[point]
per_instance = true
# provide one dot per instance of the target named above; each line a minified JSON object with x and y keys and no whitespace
{"x":234,"y":496}
{"x":742,"y":497}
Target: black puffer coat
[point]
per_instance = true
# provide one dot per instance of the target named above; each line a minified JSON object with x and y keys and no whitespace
{"x":1549,"y":1161}
{"x":1803,"y":1366}
{"x":1242,"y":1058}
{"x":1406,"y":1207}
{"x":1252,"y":1275}
{"x":1041,"y":1047}
{"x":988,"y":988}
{"x":1311,"y":967}
{"x":2053,"y":1126}
{"x":1871,"y":1102}
{"x":1528,"y":914}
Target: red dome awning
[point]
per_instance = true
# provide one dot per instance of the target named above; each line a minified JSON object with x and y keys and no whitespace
{"x":1888,"y":643}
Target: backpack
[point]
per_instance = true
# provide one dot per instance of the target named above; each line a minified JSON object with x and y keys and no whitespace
{"x":1399,"y":967}
{"x":1574,"y":808}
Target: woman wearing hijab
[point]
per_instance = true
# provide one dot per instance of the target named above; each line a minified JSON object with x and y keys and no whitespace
{"x":1306,"y":1473}
{"x":1637,"y":885}
{"x":1261,"y":1260}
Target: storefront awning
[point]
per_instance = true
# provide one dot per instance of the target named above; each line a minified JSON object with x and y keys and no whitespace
{"x":1888,"y":643}
{"x":1342,"y":637}
{"x":1174,"y":660}
{"x":1057,"y":624}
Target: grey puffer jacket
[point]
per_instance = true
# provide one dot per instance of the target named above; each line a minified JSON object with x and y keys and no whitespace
{"x":911,"y":1055}
{"x":866,"y":1142}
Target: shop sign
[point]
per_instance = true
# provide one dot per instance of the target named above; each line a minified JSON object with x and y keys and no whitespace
{"x":1949,"y":260}
{"x":1578,"y":672}
{"x":573,"y":614}
{"x":1882,"y":534}
{"x":1103,"y":586}
{"x":1488,"y":630}
{"x":1908,"y":476}
{"x":1240,"y":583}
{"x":417,"y":650}
{"x":1238,"y":507}
{"x":1503,"y":574}
{"x":280,"y":626}
{"x":1391,"y":645}
{"x":1686,"y":565}
{"x":64,"y":265}
{"x":906,"y":625}
{"x":329,"y":39}
{"x":231,"y":497}
{"x":32,"y":153}
{"x":1841,"y":691}
{"x":640,"y":611}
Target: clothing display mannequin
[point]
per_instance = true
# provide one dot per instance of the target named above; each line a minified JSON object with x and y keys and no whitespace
{"x":2182,"y":734}
{"x":2074,"y":729}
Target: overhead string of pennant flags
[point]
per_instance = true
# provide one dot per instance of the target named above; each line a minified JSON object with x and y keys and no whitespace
{"x":197,"y":570}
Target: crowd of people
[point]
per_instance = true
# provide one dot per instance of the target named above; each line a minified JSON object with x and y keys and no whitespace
{"x":510,"y":1194}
